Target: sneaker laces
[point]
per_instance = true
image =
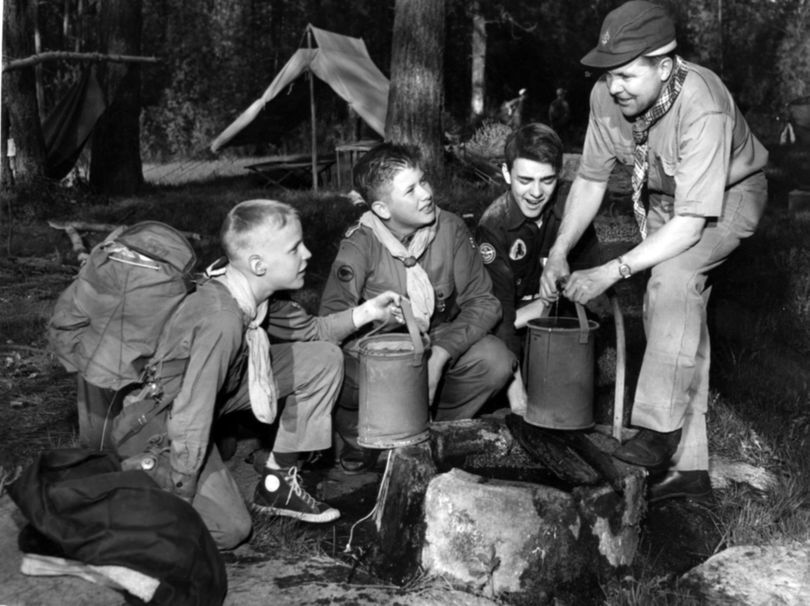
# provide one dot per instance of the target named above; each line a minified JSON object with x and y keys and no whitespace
{"x":294,"y":481}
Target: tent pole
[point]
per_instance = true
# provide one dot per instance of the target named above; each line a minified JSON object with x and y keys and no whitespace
{"x":314,"y":139}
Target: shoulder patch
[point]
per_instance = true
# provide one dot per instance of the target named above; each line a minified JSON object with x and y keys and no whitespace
{"x":487,"y":252}
{"x":345,"y":273}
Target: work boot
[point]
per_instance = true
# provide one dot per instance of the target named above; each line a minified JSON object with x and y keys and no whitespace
{"x":650,"y":449}
{"x":280,"y":493}
{"x":695,"y":484}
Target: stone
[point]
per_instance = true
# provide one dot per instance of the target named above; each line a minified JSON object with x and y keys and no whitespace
{"x":491,"y":520}
{"x":724,"y":472}
{"x":499,"y":536}
{"x":754,"y":575}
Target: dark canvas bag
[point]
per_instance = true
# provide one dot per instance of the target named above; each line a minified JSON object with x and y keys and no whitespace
{"x":107,"y":323}
{"x":98,"y":514}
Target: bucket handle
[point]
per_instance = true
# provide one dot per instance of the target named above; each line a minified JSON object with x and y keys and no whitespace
{"x":413,"y":331}
{"x":584,"y":327}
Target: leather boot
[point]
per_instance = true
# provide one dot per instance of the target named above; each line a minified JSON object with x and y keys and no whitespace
{"x":650,"y":449}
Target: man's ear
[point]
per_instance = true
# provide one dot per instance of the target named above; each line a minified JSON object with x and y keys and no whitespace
{"x":257,"y":265}
{"x":380,"y":209}
{"x":666,"y":66}
{"x":505,"y":172}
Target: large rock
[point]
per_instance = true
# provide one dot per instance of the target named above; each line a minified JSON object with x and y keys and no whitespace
{"x":471,"y":507}
{"x":753,"y":576}
{"x":500,"y":536}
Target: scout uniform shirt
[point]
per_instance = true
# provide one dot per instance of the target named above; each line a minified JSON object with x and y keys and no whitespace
{"x":466,"y":309}
{"x":512,"y":247}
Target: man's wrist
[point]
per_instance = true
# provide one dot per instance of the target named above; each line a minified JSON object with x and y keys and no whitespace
{"x":623,"y":269}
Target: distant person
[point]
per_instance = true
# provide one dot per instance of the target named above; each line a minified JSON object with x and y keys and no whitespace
{"x":228,"y":364}
{"x":406,"y":244}
{"x":511,"y":111}
{"x":698,"y":189}
{"x":516,"y":232}
{"x":559,"y":114}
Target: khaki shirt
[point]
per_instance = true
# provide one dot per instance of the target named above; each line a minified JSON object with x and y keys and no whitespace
{"x":208,"y":331}
{"x":697,"y":150}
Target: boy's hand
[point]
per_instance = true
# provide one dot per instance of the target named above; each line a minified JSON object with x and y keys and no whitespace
{"x":382,"y":308}
{"x":516,"y":394}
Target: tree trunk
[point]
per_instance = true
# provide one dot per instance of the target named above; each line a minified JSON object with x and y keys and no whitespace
{"x":115,"y":167}
{"x":416,"y":97}
{"x":20,"y":95}
{"x":479,"y":61}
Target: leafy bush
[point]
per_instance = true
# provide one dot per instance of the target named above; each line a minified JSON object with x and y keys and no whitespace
{"x":488,"y":140}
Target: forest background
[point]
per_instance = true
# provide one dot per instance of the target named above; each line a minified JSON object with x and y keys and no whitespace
{"x":217,"y":56}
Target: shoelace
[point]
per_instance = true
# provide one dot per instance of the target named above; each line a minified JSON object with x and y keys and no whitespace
{"x":293,"y":479}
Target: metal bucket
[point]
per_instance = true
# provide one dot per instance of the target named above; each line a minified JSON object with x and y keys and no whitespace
{"x":393,"y":388}
{"x":558,"y":367}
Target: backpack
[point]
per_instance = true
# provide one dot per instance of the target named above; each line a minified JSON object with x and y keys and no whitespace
{"x":107,"y":323}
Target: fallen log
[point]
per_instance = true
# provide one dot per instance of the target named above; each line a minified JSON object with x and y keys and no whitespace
{"x":553,"y":452}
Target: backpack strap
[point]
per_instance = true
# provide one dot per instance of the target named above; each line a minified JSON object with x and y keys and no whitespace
{"x":137,"y":415}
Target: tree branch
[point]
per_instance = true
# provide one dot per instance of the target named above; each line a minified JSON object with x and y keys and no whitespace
{"x":108,"y":227}
{"x":71,"y":56}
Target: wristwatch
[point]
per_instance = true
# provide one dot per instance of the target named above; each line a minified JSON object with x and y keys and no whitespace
{"x":624,"y":269}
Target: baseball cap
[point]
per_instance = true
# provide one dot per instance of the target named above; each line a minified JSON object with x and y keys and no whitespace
{"x":634,"y":29}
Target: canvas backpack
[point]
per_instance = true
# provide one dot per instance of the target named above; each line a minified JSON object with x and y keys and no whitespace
{"x":107,"y":323}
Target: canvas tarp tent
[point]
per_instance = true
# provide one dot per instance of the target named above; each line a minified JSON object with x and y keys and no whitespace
{"x":340,"y":61}
{"x":69,"y":125}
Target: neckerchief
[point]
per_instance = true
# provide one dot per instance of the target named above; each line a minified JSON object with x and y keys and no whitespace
{"x":261,"y":384}
{"x":641,"y":128}
{"x":417,"y":282}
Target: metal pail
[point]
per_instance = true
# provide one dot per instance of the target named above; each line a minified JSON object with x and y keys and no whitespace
{"x":393,"y":388}
{"x":558,"y":367}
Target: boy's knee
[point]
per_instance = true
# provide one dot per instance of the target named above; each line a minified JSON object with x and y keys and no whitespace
{"x":330,"y":357}
{"x":499,"y":360}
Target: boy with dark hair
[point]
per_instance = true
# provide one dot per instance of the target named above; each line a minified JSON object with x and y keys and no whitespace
{"x":227,"y":363}
{"x":405,"y":243}
{"x":517,"y":230}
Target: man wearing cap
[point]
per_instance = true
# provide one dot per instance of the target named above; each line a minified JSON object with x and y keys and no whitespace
{"x":698,"y":189}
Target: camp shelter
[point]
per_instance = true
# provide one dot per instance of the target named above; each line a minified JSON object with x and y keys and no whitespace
{"x":69,"y":125}
{"x":340,"y":61}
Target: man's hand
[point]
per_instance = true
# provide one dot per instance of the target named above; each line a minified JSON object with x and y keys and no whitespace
{"x":436,"y":363}
{"x":382,"y":308}
{"x":582,"y":286}
{"x":556,"y":269}
{"x":516,"y":394}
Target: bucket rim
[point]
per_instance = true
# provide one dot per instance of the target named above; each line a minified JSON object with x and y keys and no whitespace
{"x":575,"y":327}
{"x":394,"y":337}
